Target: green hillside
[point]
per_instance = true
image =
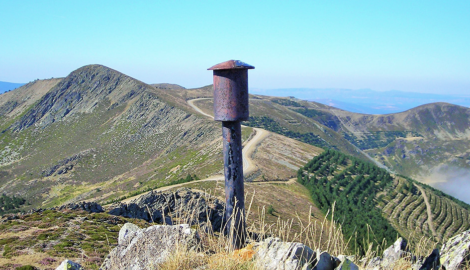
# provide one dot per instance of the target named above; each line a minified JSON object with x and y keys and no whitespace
{"x":373,"y":205}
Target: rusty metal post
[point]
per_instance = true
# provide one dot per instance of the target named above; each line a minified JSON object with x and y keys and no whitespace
{"x":231,"y":107}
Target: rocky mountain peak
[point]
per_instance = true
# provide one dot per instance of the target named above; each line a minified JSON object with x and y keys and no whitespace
{"x":81,"y":92}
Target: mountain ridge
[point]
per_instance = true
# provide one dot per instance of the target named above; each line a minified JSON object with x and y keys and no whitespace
{"x":367,"y":100}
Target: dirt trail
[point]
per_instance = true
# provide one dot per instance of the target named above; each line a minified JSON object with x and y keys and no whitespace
{"x":196,"y":108}
{"x":249,"y":165}
{"x":428,"y":209}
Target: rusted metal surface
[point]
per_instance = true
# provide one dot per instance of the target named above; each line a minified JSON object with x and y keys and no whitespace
{"x":231,"y":107}
{"x":231,"y":64}
{"x":231,"y":95}
{"x":234,"y":186}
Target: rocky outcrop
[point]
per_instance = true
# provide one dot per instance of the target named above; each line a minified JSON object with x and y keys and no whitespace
{"x":138,"y":248}
{"x":184,"y":205}
{"x":65,"y":165}
{"x":453,"y":256}
{"x":91,"y":207}
{"x":455,"y":251}
{"x":146,"y":248}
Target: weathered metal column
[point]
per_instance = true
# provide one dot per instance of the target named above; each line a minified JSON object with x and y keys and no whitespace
{"x":231,"y":107}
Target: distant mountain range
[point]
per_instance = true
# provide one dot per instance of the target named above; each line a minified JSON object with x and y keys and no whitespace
{"x":7,"y":86}
{"x":365,"y":100}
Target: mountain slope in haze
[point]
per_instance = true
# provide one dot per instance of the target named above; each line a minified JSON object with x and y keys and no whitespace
{"x":274,"y":114}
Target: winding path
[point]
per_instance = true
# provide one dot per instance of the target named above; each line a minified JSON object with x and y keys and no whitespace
{"x":248,"y":149}
{"x":249,"y":165}
{"x":428,"y":209}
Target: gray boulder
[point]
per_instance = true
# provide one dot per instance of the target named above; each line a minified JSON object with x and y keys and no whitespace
{"x":273,"y":254}
{"x":69,"y":265}
{"x":146,"y":248}
{"x":455,"y":251}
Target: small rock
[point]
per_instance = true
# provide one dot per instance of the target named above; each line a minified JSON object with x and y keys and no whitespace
{"x":342,"y":258}
{"x":69,"y":265}
{"x":126,"y":230}
{"x":374,"y":264}
{"x":273,"y":254}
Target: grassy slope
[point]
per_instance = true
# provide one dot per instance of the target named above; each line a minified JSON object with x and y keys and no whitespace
{"x":46,"y":239}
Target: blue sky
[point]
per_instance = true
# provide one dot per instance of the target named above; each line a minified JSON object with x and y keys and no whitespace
{"x":419,"y":46}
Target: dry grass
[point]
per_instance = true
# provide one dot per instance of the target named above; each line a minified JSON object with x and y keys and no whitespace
{"x":216,"y":253}
{"x":30,"y":259}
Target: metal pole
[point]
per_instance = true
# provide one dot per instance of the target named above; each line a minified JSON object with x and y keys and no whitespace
{"x":231,"y":107}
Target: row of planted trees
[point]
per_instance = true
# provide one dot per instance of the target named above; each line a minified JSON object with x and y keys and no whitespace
{"x":350,"y":186}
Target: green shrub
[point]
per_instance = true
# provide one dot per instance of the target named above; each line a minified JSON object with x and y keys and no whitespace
{"x":8,"y":240}
{"x":26,"y":267}
{"x":271,"y":210}
{"x":6,"y":251}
